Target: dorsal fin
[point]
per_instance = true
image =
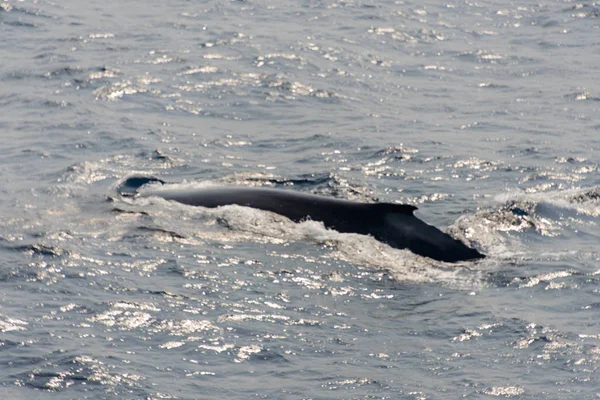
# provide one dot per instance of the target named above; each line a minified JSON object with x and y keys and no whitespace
{"x":394,"y":208}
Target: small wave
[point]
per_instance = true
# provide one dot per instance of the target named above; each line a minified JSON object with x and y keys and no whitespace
{"x":40,"y":250}
{"x":584,"y":201}
{"x":549,"y":214}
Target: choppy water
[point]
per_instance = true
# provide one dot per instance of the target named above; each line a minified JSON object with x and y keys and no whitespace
{"x":484,"y":114}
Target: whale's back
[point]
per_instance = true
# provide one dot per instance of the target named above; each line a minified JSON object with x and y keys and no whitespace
{"x":405,"y":231}
{"x":394,"y":224}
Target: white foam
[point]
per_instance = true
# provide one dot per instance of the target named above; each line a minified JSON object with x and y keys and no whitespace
{"x":249,"y":224}
{"x":156,"y":188}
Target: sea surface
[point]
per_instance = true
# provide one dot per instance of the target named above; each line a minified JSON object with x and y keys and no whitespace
{"x":483,"y":114}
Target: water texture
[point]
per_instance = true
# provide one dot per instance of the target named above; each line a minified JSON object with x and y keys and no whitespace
{"x":482,"y":114}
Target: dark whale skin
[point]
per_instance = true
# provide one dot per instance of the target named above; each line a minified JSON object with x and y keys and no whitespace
{"x":393,"y":224}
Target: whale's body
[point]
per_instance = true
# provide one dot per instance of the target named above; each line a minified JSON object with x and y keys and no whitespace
{"x":393,"y":224}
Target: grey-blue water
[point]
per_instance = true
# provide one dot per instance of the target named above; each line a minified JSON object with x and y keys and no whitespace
{"x":483,"y":114}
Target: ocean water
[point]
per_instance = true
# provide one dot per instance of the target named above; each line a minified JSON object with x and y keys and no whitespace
{"x":483,"y":114}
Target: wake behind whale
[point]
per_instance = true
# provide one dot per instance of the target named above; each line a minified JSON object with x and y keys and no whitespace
{"x":393,"y":224}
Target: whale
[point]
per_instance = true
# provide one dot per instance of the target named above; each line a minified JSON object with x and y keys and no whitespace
{"x":390,"y":223}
